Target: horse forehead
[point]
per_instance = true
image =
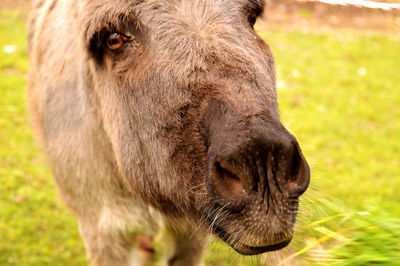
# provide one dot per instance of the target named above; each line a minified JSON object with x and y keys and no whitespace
{"x":195,"y":14}
{"x":181,"y":17}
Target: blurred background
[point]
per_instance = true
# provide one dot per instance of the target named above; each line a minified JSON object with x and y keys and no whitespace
{"x":338,"y":81}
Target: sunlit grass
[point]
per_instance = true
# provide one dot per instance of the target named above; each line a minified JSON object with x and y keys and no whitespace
{"x":339,"y":94}
{"x":350,"y":237}
{"x":35,"y":228}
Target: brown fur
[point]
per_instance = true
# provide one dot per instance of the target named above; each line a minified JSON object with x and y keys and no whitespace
{"x":130,"y":135}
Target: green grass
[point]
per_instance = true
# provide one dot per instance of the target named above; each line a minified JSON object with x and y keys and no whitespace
{"x":35,"y":228}
{"x":339,"y":94}
{"x":340,"y":97}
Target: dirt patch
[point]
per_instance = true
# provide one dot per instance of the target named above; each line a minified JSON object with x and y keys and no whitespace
{"x":312,"y":16}
{"x":15,"y":4}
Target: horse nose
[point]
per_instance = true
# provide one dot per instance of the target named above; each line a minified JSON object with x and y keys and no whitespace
{"x":270,"y":156}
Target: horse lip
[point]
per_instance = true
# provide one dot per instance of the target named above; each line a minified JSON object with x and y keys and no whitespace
{"x":249,"y":250}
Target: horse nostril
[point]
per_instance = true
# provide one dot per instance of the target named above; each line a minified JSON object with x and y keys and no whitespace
{"x":224,"y":173}
{"x":298,"y":174}
{"x":226,"y":183}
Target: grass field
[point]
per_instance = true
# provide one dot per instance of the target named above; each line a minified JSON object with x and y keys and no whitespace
{"x":339,"y":94}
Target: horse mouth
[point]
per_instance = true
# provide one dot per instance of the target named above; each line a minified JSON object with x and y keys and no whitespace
{"x":249,"y":250}
{"x":244,"y":249}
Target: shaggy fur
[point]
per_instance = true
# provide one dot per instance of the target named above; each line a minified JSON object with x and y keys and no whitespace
{"x":179,"y":128}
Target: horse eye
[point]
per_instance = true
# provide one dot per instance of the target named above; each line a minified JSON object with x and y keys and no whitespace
{"x":115,"y":41}
{"x":252,"y":19}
